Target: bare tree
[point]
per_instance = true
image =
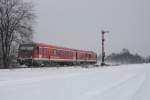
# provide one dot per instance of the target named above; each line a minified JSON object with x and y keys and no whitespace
{"x":16,"y":25}
{"x":0,"y":53}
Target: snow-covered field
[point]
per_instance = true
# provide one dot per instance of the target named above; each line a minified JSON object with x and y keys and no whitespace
{"x":126,"y":82}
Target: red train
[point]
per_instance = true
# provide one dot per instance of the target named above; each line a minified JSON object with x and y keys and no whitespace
{"x":44,"y":54}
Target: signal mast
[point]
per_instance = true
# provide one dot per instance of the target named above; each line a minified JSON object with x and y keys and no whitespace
{"x":103,"y":49}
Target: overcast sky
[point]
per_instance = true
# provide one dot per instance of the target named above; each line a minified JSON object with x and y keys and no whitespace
{"x":78,"y":23}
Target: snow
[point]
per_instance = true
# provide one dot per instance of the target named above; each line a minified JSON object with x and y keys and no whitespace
{"x":126,"y":82}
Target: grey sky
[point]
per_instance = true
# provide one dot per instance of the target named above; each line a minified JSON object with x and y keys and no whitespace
{"x":77,"y":24}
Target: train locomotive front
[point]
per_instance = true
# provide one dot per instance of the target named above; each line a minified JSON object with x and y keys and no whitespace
{"x":26,"y":54}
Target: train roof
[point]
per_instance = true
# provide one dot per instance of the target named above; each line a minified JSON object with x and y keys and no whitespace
{"x":54,"y":46}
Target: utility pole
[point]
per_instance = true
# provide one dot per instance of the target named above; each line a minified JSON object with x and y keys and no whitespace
{"x":103,"y":49}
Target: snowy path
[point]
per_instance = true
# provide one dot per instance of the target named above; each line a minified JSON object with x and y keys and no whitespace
{"x":130,"y":82}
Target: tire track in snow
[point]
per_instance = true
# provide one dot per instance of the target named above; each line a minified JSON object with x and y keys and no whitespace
{"x":115,"y":89}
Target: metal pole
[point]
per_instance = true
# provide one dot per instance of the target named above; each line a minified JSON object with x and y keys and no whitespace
{"x":103,"y":48}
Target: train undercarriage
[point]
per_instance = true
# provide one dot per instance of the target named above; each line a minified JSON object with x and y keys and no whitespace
{"x":40,"y":63}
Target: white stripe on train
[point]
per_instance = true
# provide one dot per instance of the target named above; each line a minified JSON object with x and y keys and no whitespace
{"x":73,"y":60}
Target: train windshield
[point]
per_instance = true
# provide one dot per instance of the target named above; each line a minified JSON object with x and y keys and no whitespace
{"x":26,"y":49}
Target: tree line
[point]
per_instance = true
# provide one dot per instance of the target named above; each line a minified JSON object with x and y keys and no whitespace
{"x":126,"y":57}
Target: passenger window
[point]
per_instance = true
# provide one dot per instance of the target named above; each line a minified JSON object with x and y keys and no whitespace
{"x":66,"y":53}
{"x":44,"y":51}
{"x":37,"y":50}
{"x":54,"y":52}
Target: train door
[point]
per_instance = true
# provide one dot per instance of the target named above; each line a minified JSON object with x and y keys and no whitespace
{"x":44,"y":52}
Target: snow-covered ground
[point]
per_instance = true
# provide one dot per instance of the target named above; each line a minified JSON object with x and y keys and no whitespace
{"x":126,"y":82}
